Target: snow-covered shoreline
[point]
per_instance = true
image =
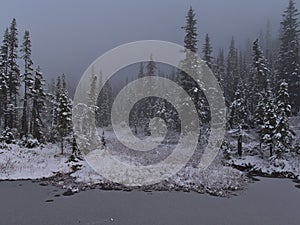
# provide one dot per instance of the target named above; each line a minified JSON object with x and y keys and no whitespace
{"x":46,"y":164}
{"x":288,"y":168}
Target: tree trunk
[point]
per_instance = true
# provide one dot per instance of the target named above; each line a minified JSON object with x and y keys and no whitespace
{"x":24,"y":130}
{"x":74,"y":147}
{"x":240,"y":145}
{"x":260,"y":151}
{"x":62,"y":146}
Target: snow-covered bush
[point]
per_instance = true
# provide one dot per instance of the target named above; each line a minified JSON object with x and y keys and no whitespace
{"x":226,"y":149}
{"x":7,"y":136}
{"x":123,"y":124}
{"x":296,"y":147}
{"x":29,"y":142}
{"x":280,"y":163}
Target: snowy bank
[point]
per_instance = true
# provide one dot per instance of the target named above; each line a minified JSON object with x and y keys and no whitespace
{"x":289,"y":168}
{"x":22,"y":163}
{"x":46,"y":164}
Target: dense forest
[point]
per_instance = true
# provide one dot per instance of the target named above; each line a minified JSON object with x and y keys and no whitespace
{"x":31,"y":112}
{"x":261,"y":86}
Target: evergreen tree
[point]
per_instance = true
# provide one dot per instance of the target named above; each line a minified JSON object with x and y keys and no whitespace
{"x":54,"y":102}
{"x":259,"y":110}
{"x":261,"y":74}
{"x":91,"y":110}
{"x":220,"y":71}
{"x":151,"y":67}
{"x":28,"y":82}
{"x":283,"y":134}
{"x":64,"y":114}
{"x":151,"y":70}
{"x":99,"y":111}
{"x":104,"y":103}
{"x":192,"y":65}
{"x":260,"y":67}
{"x":207,"y":51}
{"x":51,"y":111}
{"x":190,"y":39}
{"x":3,"y":98}
{"x":232,"y":75}
{"x":63,"y":82}
{"x":288,"y":65}
{"x":242,"y":66}
{"x":238,"y":112}
{"x":92,"y":95}
{"x":58,"y":88}
{"x":38,"y":107}
{"x":269,"y":120}
{"x":141,"y":71}
{"x":140,"y":113}
{"x":4,"y":80}
{"x":13,"y":74}
{"x":173,"y":74}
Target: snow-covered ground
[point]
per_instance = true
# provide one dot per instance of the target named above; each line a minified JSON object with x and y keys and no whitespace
{"x":22,"y":163}
{"x":47,"y":164}
{"x":276,"y":167}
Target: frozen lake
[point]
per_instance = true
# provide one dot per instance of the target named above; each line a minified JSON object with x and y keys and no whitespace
{"x":267,"y":202}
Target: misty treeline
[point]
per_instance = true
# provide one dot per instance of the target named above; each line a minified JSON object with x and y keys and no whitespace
{"x":261,"y":86}
{"x":31,"y":111}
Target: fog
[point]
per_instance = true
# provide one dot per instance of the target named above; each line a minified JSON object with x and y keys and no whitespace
{"x":68,"y":35}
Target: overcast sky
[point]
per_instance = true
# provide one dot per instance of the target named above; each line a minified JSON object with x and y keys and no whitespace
{"x":68,"y":35}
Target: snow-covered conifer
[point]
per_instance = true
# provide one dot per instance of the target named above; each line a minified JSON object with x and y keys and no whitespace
{"x":283,"y":133}
{"x":27,"y":82}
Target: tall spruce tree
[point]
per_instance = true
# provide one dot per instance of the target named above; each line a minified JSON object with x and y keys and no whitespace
{"x":207,"y":51}
{"x":192,"y":65}
{"x":191,"y":36}
{"x":238,"y":112}
{"x":151,"y":67}
{"x":232,"y":75}
{"x":260,"y":76}
{"x":259,"y":110}
{"x":92,"y":109}
{"x":104,"y":104}
{"x":13,"y":74}
{"x":51,"y":110}
{"x":4,"y":81}
{"x":288,"y":65}
{"x":64,"y":114}
{"x":269,"y":120}
{"x":260,"y":67}
{"x":37,"y":123}
{"x":141,"y":71}
{"x":151,"y":71}
{"x":27,"y":81}
{"x":284,"y":135}
{"x":221,"y":69}
{"x":190,"y":43}
{"x":92,"y":95}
